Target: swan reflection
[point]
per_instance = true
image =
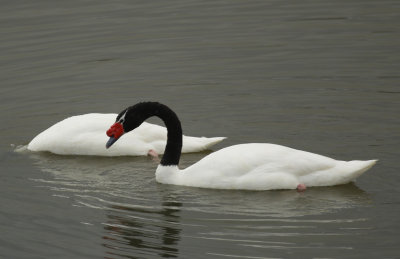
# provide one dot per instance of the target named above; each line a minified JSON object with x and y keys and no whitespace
{"x":133,"y":177}
{"x":151,"y":232}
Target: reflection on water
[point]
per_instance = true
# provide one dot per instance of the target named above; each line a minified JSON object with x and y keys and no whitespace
{"x":284,"y":203}
{"x":133,"y":178}
{"x":144,"y":218}
{"x":140,"y":234}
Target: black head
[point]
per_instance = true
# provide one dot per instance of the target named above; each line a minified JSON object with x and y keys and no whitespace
{"x":131,"y":118}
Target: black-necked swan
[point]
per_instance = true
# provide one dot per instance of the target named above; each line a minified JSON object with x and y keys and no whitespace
{"x":254,"y":166}
{"x":84,"y":135}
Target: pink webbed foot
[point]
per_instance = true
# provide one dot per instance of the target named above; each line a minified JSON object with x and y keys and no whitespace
{"x":301,"y":187}
{"x":153,"y":155}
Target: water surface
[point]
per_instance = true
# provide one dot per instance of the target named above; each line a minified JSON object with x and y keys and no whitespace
{"x":317,"y":76}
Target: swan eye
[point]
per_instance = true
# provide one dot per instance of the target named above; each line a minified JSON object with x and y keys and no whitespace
{"x":122,"y":119}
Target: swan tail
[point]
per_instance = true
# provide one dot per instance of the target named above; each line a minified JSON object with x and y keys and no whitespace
{"x":359,"y":167}
{"x":351,"y":170}
{"x":213,"y":141}
{"x":342,"y":173}
{"x":195,"y":144}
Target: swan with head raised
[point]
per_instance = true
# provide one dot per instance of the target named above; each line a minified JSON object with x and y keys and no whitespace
{"x":84,"y":135}
{"x":254,"y":166}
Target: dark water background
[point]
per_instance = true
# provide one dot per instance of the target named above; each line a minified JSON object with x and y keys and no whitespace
{"x":321,"y":76}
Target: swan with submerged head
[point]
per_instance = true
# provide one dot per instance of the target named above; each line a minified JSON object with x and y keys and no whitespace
{"x":254,"y":166}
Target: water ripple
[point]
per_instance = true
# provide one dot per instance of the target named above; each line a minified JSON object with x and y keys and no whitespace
{"x":145,"y":218}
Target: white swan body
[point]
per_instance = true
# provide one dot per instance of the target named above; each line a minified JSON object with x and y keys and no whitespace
{"x":263,"y":167}
{"x":85,"y":135}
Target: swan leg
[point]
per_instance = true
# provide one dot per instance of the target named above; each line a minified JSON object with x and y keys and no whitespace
{"x":301,"y":187}
{"x":153,"y":154}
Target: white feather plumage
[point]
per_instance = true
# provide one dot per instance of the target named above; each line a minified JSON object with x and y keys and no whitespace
{"x":261,"y":166}
{"x":86,"y":135}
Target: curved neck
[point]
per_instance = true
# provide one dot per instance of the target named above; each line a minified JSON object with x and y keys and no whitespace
{"x":173,"y":148}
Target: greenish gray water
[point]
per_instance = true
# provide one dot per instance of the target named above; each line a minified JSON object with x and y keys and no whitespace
{"x":317,"y":76}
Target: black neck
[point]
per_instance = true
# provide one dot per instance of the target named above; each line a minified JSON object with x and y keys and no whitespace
{"x":173,"y":148}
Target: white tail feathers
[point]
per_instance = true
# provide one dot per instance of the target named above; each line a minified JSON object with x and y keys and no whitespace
{"x":361,"y":166}
{"x":213,"y":141}
{"x":356,"y":168}
{"x":191,"y":144}
{"x":342,"y":172}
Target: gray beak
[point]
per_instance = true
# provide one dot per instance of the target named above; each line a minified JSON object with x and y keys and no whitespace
{"x":111,"y":141}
